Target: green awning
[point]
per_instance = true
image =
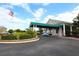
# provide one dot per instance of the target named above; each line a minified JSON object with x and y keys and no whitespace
{"x":45,"y":25}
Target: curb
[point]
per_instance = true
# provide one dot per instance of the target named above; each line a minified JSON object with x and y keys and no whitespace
{"x":71,"y":38}
{"x":36,"y":39}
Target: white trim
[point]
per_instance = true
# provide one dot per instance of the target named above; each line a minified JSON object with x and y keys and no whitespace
{"x":71,"y":28}
{"x":60,"y":32}
{"x":33,"y":27}
{"x":64,"y":29}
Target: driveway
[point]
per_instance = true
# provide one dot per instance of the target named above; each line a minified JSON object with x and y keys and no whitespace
{"x":46,"y":46}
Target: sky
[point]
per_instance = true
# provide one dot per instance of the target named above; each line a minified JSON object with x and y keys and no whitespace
{"x":24,"y":13}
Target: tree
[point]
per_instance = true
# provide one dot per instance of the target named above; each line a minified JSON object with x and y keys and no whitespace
{"x":31,"y":32}
{"x":76,"y":22}
{"x":17,"y":30}
{"x":76,"y":25}
{"x":10,"y":31}
{"x":2,"y":30}
{"x":17,"y":34}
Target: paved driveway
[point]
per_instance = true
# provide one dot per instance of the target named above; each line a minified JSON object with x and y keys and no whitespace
{"x":46,"y":46}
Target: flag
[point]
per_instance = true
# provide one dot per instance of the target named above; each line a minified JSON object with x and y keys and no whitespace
{"x":11,"y":13}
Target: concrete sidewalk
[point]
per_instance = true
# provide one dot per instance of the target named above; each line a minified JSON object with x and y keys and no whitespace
{"x":21,"y":41}
{"x":71,"y":38}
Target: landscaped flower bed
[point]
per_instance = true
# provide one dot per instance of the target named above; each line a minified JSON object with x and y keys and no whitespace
{"x":30,"y":33}
{"x":17,"y":40}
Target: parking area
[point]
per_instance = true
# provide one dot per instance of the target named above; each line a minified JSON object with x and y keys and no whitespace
{"x":46,"y":46}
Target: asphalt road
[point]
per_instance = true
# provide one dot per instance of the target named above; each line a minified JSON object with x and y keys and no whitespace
{"x":46,"y":46}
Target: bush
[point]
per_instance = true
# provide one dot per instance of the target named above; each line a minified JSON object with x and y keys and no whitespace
{"x":9,"y":37}
{"x":16,"y":34}
{"x":38,"y":33}
{"x":26,"y":36}
{"x":75,"y":33}
{"x":31,"y":32}
{"x":10,"y":31}
{"x":68,"y":33}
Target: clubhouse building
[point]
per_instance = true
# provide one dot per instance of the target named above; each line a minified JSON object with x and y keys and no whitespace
{"x":54,"y":27}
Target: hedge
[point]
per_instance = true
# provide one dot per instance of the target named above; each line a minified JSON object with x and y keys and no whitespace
{"x":21,"y":35}
{"x":8,"y":37}
{"x":27,"y":36}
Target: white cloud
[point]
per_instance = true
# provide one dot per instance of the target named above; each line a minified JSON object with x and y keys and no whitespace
{"x":47,"y":18}
{"x":12,"y":22}
{"x":15,"y":22}
{"x":2,"y":11}
{"x":39,"y":12}
{"x":45,"y":4}
{"x":36,"y":14}
{"x":7,"y":6}
{"x":65,"y":16}
{"x":16,"y":3}
{"x":29,"y":20}
{"x":26,"y":8}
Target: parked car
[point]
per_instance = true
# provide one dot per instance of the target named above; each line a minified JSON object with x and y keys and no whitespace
{"x":45,"y":34}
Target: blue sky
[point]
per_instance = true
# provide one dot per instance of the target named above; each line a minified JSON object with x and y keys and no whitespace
{"x":38,"y":12}
{"x":53,"y":8}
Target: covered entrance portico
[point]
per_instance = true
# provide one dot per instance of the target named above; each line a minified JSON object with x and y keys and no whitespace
{"x":54,"y":29}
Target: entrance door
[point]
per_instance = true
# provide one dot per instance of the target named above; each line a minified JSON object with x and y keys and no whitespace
{"x":53,"y":31}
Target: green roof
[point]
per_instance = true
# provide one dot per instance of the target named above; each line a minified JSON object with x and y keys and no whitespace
{"x":45,"y":25}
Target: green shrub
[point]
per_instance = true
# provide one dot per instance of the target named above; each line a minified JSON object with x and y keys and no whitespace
{"x":75,"y":33}
{"x":31,"y":32}
{"x":9,"y":37}
{"x":26,"y":36}
{"x":18,"y":34}
{"x":68,"y":33}
{"x":10,"y":31}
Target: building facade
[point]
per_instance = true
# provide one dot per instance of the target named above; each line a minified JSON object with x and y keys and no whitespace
{"x":61,"y":31}
{"x":54,"y":27}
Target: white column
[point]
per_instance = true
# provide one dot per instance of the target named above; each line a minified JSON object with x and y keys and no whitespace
{"x":64,"y":29}
{"x":46,"y":30}
{"x":33,"y":27}
{"x":60,"y":32}
{"x":71,"y":29}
